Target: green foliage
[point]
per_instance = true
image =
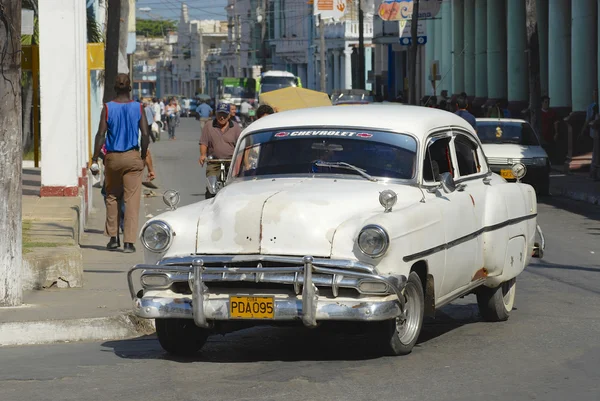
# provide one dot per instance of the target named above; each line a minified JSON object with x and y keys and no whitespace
{"x":94,"y":31}
{"x":154,"y":28}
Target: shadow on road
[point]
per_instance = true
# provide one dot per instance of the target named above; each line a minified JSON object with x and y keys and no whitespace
{"x":541,"y":264}
{"x":587,"y":210}
{"x":339,"y":342}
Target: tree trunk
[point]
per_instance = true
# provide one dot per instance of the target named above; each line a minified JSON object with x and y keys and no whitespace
{"x":412,"y":65}
{"x":11,"y":154}
{"x":533,"y":49}
{"x":111,"y":51}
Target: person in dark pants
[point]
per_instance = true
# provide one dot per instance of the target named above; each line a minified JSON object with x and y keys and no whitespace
{"x":120,"y":123}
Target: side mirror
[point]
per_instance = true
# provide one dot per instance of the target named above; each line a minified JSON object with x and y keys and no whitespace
{"x":447,"y":182}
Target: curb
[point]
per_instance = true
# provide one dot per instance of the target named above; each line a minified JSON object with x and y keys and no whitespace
{"x":89,"y":329}
{"x":576,"y":195}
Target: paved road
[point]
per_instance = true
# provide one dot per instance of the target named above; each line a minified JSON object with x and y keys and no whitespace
{"x":548,"y":350}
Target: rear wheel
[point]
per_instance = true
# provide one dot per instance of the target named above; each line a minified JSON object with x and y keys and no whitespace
{"x":180,"y":336}
{"x":399,"y":336}
{"x":495,"y":304}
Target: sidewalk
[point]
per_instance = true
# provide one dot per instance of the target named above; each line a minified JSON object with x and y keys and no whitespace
{"x":97,"y":310}
{"x":576,"y":186}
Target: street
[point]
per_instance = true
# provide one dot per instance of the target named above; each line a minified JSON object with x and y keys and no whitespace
{"x":547,"y":350}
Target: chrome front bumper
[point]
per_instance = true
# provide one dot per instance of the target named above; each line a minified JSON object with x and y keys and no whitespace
{"x":205,"y":307}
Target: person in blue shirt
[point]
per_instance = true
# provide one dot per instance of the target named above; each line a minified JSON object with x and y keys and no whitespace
{"x":204,"y":113}
{"x":120,"y":123}
{"x":461,"y":105}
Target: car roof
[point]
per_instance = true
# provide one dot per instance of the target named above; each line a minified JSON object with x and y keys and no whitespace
{"x":504,"y":120}
{"x":415,"y":120}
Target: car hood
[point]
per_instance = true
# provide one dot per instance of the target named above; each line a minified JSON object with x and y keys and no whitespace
{"x":513,"y":151}
{"x":290,"y":216}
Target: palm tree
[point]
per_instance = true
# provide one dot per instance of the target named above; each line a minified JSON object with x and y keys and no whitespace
{"x":94,"y":35}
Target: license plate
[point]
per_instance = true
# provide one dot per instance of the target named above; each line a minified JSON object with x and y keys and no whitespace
{"x":505,"y":173}
{"x":251,"y":308}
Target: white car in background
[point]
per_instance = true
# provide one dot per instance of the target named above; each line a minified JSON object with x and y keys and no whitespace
{"x":509,"y":141}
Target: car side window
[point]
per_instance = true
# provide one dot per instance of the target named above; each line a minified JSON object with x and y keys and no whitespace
{"x":466,"y":156}
{"x":438,"y":159}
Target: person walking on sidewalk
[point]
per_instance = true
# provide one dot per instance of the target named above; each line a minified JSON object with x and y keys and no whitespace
{"x":593,"y":123}
{"x":120,"y":123}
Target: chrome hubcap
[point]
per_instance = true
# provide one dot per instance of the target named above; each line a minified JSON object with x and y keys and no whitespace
{"x":407,"y":323}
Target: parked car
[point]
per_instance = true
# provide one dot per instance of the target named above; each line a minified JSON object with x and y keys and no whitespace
{"x":345,"y":97}
{"x":509,"y":141}
{"x":361,"y":214}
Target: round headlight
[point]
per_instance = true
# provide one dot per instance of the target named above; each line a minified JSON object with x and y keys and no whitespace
{"x":157,"y":236}
{"x":373,"y":241}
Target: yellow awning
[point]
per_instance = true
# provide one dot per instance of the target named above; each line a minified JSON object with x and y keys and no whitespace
{"x":294,"y":98}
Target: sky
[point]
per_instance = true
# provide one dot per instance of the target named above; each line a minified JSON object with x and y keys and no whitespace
{"x":171,"y":9}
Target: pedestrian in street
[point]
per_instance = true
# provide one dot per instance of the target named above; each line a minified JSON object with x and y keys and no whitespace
{"x":171,"y":113}
{"x":233,"y":114}
{"x":264,"y":110}
{"x":245,"y":108}
{"x":593,"y":124}
{"x":120,"y":123}
{"x":150,"y":118}
{"x":204,"y":113}
{"x":461,"y":105}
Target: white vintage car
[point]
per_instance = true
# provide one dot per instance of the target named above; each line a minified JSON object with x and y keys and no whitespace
{"x":509,"y":141}
{"x":367,"y":214}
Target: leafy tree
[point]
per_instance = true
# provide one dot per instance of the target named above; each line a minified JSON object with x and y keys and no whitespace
{"x":154,"y":28}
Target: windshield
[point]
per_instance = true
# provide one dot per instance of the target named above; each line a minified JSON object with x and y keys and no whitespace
{"x":268,"y":84}
{"x":346,"y":98}
{"x":314,"y":151}
{"x":499,"y":132}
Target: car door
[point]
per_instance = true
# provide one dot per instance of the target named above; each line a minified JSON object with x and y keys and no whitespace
{"x":472,"y":171}
{"x":459,"y":221}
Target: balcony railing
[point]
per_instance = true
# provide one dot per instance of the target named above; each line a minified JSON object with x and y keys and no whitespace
{"x":348,"y":30}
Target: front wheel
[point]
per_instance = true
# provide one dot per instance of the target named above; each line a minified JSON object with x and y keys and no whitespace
{"x":399,"y":336}
{"x":495,"y":304}
{"x":180,"y":336}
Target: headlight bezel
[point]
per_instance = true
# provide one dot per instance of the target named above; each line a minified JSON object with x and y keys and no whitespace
{"x":164,"y":226}
{"x":539,"y":161}
{"x":384,"y":235}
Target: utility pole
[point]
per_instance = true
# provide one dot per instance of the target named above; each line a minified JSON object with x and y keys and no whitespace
{"x":361,"y":47}
{"x":263,"y":35}
{"x":322,"y":53}
{"x":202,"y":73}
{"x":412,"y":64}
{"x":239,"y":46}
{"x":111,"y":51}
{"x":11,"y":259}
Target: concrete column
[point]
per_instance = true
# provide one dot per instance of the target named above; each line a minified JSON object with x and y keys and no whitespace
{"x":583,"y":53}
{"x":516,"y":33}
{"x":437,"y":48}
{"x":496,"y":49}
{"x":336,"y":70}
{"x":559,"y":52}
{"x":542,"y":19}
{"x":469,"y":24}
{"x":63,"y":73}
{"x":446,"y":62}
{"x":368,"y":66}
{"x":348,"y":68}
{"x":458,"y":53}
{"x":481,"y":87}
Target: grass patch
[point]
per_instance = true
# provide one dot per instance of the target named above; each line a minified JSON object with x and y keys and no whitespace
{"x":28,"y":243}
{"x":30,"y":155}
